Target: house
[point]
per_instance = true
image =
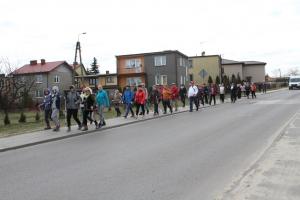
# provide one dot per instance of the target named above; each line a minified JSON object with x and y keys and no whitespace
{"x":201,"y":67}
{"x":108,"y":81}
{"x":45,"y":75}
{"x":251,"y":71}
{"x":164,"y":67}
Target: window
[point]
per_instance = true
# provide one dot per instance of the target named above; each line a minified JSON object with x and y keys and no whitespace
{"x":133,"y":63}
{"x":182,"y":62}
{"x":93,"y":81}
{"x":191,"y":77}
{"x":39,"y":78}
{"x":160,"y":60}
{"x":134,"y":81}
{"x":161,"y":79}
{"x":38,"y":94}
{"x":109,"y":79}
{"x":181,"y":80}
{"x":56,"y":79}
{"x":1,"y":83}
{"x":190,"y":63}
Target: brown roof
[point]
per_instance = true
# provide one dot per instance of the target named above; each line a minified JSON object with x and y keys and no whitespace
{"x":152,"y":53}
{"x":39,"y":68}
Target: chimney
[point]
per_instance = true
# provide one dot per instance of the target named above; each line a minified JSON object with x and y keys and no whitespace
{"x":43,"y":61}
{"x":203,"y":53}
{"x":33,"y":62}
{"x":107,"y":72}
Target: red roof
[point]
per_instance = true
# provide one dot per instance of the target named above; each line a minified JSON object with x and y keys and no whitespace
{"x":39,"y":68}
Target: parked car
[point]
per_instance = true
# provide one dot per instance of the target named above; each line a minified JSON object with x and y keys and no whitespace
{"x":294,"y":82}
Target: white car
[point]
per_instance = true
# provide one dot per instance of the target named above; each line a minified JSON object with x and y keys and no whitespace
{"x":294,"y":82}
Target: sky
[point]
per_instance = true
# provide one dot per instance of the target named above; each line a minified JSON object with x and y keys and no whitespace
{"x":242,"y":30}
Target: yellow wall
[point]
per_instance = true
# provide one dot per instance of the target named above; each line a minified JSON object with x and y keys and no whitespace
{"x":211,"y":64}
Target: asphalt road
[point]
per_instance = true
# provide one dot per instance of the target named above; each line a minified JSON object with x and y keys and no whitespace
{"x":185,"y":156}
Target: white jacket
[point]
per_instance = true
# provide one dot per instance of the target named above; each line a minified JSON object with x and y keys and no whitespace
{"x":193,"y":91}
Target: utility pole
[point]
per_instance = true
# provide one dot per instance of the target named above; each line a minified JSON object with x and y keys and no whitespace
{"x":78,"y":50}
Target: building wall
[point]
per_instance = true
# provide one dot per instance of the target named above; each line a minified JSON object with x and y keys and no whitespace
{"x":65,"y":75}
{"x":233,"y":69}
{"x":122,"y":69}
{"x":257,"y":72}
{"x":211,"y":64}
{"x":172,"y":69}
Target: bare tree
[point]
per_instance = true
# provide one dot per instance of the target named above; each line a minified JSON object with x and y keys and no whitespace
{"x":294,"y":71}
{"x":15,"y":88}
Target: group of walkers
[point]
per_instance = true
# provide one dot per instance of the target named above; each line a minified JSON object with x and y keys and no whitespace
{"x":88,"y":103}
{"x":92,"y":104}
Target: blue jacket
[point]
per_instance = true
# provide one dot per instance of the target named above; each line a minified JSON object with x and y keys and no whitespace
{"x":128,"y":96}
{"x":102,"y":98}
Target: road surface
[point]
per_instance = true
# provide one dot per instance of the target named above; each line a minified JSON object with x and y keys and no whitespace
{"x":186,"y":156}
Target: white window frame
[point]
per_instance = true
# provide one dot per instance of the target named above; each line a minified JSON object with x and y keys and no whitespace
{"x":159,"y":80}
{"x":160,"y":60}
{"x":56,"y":79}
{"x":38,"y":78}
{"x":38,"y":94}
{"x":109,"y":79}
{"x":134,"y":81}
{"x":133,"y":63}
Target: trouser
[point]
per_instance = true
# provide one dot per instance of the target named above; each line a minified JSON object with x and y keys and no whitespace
{"x":166,"y":103}
{"x":174,"y":104}
{"x":47,"y":117}
{"x":117,"y":109}
{"x":155,"y":108}
{"x":222,"y":97}
{"x":147,"y":105}
{"x":233,"y":98}
{"x":86,"y":116}
{"x":70,"y":113}
{"x":182,"y":98}
{"x":138,"y":105}
{"x":129,"y":108}
{"x":55,"y":117}
{"x":206,"y":99}
{"x":212,"y":97}
{"x":101,"y":114}
{"x":193,"y":100}
{"x":253,"y":94}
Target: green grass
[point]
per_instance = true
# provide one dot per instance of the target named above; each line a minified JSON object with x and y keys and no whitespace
{"x":15,"y":128}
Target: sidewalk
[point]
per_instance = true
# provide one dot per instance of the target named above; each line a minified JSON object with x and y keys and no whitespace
{"x":44,"y":136}
{"x":276,"y":176}
{"x":30,"y":139}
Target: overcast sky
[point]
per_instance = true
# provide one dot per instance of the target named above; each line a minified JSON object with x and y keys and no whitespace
{"x":260,"y":30}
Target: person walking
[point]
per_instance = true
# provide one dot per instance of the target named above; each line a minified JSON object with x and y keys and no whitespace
{"x":213,"y":93}
{"x":146,"y":104}
{"x":55,"y":106}
{"x":155,"y":99}
{"x":128,"y":98}
{"x":174,"y":97}
{"x":166,"y":98}
{"x":233,"y":91}
{"x":200,"y":94}
{"x":46,"y":107}
{"x":192,"y":95}
{"x":182,"y":94}
{"x":102,"y":102}
{"x":206,"y":93}
{"x":72,"y":104}
{"x":243,"y":89}
{"x":88,"y":102}
{"x":117,"y":100}
{"x":264,"y":88}
{"x":222,"y":93}
{"x":247,"y":89}
{"x":139,"y":100}
{"x":253,"y":90}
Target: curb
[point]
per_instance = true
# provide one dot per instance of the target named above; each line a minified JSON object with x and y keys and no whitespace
{"x":105,"y":128}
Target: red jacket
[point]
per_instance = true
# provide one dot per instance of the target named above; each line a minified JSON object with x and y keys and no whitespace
{"x":140,"y":97}
{"x":175,"y":92}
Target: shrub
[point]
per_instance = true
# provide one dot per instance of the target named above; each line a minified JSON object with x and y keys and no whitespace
{"x":22,"y":118}
{"x":6,"y":119}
